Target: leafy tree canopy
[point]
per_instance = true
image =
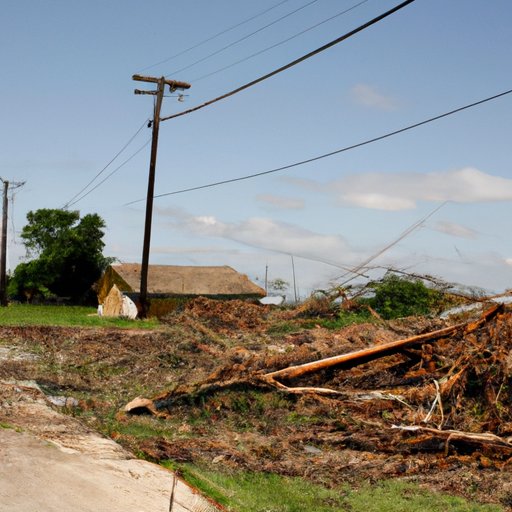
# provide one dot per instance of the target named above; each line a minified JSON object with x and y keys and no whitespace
{"x":67,"y":255}
{"x":396,"y":297}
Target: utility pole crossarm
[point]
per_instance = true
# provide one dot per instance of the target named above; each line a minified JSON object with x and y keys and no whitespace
{"x":173,"y":84}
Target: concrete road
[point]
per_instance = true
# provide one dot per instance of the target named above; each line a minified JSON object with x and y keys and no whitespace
{"x":38,"y":476}
{"x":51,"y":462}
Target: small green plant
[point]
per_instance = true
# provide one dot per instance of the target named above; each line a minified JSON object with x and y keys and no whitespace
{"x":343,"y":319}
{"x":8,"y":426}
{"x":295,"y":418}
{"x":283,"y":328}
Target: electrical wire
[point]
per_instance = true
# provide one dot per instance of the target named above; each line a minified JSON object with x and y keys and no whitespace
{"x":109,"y":175}
{"x":293,"y":63}
{"x":356,"y":270}
{"x":195,"y":80}
{"x":332,"y":153}
{"x":218,"y":34}
{"x":70,"y":202}
{"x":234,"y":43}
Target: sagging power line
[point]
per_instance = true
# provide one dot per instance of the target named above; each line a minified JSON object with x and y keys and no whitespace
{"x":133,"y":155}
{"x":294,"y":62}
{"x":215,"y":36}
{"x":331,"y":153}
{"x":244,"y":38}
{"x":413,"y":227}
{"x":279,"y":43}
{"x":72,"y":201}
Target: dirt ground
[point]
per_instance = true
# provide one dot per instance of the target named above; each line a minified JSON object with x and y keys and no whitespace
{"x":449,"y":390}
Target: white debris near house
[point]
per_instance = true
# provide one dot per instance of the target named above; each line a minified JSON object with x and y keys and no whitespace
{"x":118,"y":305}
{"x":276,"y":300}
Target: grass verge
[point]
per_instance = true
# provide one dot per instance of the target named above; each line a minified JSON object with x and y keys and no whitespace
{"x":69,"y":316}
{"x":266,"y":492}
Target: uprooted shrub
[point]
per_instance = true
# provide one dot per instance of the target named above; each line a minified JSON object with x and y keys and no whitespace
{"x":400,"y":296}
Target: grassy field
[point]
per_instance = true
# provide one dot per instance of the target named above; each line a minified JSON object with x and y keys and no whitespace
{"x":69,"y":316}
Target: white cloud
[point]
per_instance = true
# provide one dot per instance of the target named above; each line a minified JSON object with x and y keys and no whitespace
{"x":378,"y":201}
{"x":285,"y":203}
{"x":193,"y":250}
{"x":450,"y":228}
{"x":269,"y":234}
{"x":401,"y":191}
{"x":368,"y":96}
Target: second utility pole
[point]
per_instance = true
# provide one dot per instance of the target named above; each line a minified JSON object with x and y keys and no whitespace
{"x":3,"y":244}
{"x":3,"y":275}
{"x":159,"y":93}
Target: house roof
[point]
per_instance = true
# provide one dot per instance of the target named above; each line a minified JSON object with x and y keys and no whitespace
{"x":184,"y":280}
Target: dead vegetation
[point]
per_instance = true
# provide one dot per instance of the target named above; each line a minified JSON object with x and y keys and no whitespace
{"x":426,"y":400}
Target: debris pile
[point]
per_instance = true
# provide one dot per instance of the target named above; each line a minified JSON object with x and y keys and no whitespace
{"x":429,"y":403}
{"x":226,"y":317}
{"x":245,"y":386}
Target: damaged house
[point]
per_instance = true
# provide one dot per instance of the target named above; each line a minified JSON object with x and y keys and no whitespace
{"x":171,"y":285}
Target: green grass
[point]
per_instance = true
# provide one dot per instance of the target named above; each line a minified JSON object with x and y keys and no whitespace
{"x":8,"y":426}
{"x":283,"y":328}
{"x":262,"y":492}
{"x":397,"y":496}
{"x":69,"y":316}
{"x":265,"y":492}
{"x":141,"y":427}
{"x":343,"y":319}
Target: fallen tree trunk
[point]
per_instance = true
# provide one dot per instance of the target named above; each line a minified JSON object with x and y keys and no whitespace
{"x":378,"y":351}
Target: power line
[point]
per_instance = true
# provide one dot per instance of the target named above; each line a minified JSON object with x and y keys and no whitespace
{"x":70,"y":202}
{"x":234,"y":43}
{"x":208,"y":39}
{"x":194,"y":80}
{"x":108,"y":175}
{"x":331,"y":153}
{"x":295,"y":62}
{"x":413,"y":227}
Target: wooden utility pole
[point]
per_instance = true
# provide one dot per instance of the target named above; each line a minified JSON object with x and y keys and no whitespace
{"x":159,"y":93}
{"x":3,"y":246}
{"x":3,"y":266}
{"x":294,"y":281}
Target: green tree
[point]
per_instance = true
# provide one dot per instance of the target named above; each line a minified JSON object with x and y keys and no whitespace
{"x":67,"y":255}
{"x":396,"y":297}
{"x":278,"y":285}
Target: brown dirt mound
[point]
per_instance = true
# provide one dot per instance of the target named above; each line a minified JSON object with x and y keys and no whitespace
{"x":223,"y":316}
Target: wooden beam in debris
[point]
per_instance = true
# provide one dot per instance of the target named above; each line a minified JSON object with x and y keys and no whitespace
{"x":384,"y":349}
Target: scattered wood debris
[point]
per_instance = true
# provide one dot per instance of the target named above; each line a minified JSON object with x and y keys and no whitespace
{"x":435,"y":380}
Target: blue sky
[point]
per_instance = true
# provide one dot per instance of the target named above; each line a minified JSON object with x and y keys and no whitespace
{"x":68,"y":107}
